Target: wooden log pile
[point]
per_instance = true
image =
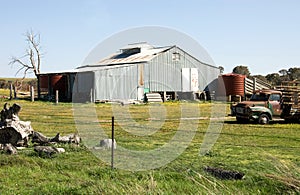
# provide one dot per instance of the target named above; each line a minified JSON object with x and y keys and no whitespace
{"x":16,"y":133}
{"x":12,"y":129}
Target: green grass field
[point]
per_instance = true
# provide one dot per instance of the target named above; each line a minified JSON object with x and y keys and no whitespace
{"x":268,"y":155}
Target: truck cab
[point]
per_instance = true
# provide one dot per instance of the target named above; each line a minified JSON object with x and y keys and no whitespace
{"x":262,"y":107}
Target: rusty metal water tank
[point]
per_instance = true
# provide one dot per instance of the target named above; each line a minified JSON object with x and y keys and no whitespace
{"x":231,"y":84}
{"x":58,"y":82}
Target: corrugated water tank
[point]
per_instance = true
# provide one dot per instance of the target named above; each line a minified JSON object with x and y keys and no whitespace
{"x":231,"y":84}
{"x":58,"y":82}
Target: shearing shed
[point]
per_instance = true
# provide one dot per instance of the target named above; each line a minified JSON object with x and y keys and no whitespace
{"x":138,"y":72}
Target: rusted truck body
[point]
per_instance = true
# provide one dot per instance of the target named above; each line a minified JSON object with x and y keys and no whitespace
{"x":269,"y":104}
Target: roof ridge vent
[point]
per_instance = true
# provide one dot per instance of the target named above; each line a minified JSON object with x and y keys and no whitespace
{"x":140,"y":45}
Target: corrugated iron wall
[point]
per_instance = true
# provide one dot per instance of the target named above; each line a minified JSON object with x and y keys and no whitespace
{"x":83,"y":87}
{"x":164,"y":73}
{"x":116,"y":83}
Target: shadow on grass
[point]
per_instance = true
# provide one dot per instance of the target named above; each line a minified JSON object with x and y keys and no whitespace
{"x":277,"y":121}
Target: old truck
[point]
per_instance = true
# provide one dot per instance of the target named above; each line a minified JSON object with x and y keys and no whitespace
{"x":269,"y":104}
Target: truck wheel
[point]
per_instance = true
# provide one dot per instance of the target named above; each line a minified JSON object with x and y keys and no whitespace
{"x":264,"y":119}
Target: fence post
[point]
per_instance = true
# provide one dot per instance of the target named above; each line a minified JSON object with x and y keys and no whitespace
{"x":112,"y":141}
{"x":254,"y":84}
{"x":245,"y":88}
{"x":15,"y":92}
{"x":32,"y":93}
{"x":11,"y":91}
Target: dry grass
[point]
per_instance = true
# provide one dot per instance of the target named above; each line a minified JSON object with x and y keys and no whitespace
{"x":268,"y":155}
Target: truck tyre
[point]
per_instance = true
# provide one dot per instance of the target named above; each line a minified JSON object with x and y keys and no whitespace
{"x":264,"y":119}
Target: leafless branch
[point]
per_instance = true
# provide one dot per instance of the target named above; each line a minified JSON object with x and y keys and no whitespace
{"x":20,"y":70}
{"x":15,"y":60}
{"x":32,"y":53}
{"x":34,"y":41}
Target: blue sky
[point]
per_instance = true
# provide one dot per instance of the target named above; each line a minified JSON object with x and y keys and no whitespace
{"x":261,"y":34}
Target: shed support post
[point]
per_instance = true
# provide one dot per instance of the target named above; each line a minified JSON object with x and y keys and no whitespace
{"x":56,"y":96}
{"x":38,"y":87}
{"x":49,"y":88}
{"x":92,"y":95}
{"x":165,"y":96}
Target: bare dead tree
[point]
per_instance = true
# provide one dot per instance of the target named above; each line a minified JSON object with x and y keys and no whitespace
{"x":31,"y":61}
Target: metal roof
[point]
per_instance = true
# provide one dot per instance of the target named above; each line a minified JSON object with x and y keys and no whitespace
{"x":146,"y":53}
{"x":60,"y":72}
{"x":95,"y":68}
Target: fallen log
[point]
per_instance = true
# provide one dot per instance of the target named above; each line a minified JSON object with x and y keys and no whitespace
{"x":41,"y":139}
{"x":71,"y":138}
{"x":224,"y":174}
{"x":8,"y":148}
{"x":48,"y":150}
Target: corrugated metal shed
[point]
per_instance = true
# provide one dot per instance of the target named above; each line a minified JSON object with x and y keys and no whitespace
{"x":141,"y":68}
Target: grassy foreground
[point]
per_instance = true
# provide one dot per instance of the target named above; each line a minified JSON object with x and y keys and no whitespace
{"x":268,"y":156}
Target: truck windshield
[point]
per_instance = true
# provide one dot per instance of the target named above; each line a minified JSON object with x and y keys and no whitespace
{"x":259,"y":97}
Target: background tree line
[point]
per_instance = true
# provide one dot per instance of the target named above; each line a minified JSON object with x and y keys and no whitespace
{"x":20,"y":84}
{"x":290,"y":74}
